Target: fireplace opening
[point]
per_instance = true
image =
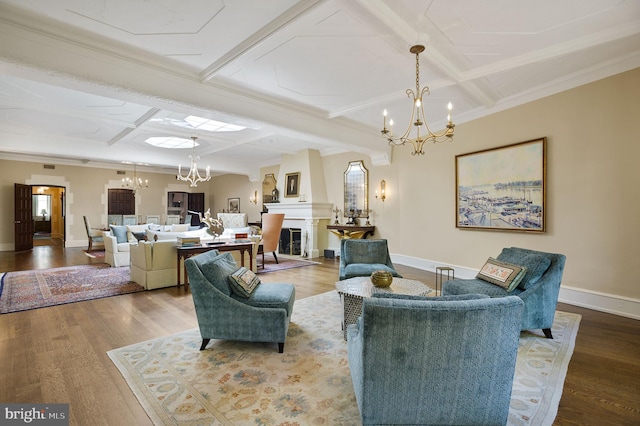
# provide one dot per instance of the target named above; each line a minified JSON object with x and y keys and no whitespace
{"x":290,"y":241}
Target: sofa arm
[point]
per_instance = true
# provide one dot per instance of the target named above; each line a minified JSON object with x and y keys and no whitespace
{"x":110,"y":242}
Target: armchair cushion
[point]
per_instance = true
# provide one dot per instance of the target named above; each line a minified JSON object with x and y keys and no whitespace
{"x":505,"y":275}
{"x":120,"y":232}
{"x":366,"y":269}
{"x":217,"y":269}
{"x":271,"y":295}
{"x":244,"y":282}
{"x":536,"y":265}
{"x":365,"y":251}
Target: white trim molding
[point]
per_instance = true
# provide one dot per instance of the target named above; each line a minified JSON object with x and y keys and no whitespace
{"x":603,"y":302}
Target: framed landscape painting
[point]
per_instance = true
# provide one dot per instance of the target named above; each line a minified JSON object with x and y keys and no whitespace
{"x":503,"y":188}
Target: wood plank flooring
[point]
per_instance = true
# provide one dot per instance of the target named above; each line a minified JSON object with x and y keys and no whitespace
{"x":58,"y":354}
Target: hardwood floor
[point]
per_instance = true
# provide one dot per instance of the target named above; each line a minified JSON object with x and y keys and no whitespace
{"x":58,"y":354}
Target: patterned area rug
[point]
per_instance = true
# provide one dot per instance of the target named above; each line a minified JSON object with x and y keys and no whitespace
{"x":24,"y":290}
{"x":236,"y":383}
{"x":270,"y":264}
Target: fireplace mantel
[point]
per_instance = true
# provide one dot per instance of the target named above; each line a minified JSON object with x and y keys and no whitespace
{"x":306,"y":216}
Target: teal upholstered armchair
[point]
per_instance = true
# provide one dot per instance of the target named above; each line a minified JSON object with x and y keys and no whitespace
{"x":538,"y":289}
{"x":434,"y":361}
{"x":360,"y":258}
{"x":224,"y":313}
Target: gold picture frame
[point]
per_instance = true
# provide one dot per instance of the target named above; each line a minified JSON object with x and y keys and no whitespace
{"x":292,"y":182}
{"x":503,"y":189}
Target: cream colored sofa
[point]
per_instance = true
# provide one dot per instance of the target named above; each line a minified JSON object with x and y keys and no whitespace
{"x":117,"y":253}
{"x":154,"y":263}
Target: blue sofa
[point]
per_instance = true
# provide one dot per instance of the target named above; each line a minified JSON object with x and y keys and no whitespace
{"x":222,"y":313}
{"x":360,"y":258}
{"x":538,"y":289}
{"x":441,"y":360}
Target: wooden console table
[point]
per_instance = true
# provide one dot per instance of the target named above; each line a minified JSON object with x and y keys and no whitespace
{"x":352,"y":231}
{"x":186,"y":252}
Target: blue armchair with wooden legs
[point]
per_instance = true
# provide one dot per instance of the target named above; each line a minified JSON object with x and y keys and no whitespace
{"x":224,"y":311}
{"x":360,"y":258}
{"x":434,"y":361}
{"x":538,"y":289}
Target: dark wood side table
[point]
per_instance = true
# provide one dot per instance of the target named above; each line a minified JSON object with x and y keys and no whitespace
{"x":186,"y":252}
{"x":352,"y":231}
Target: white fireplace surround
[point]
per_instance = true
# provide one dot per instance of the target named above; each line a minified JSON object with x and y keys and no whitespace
{"x":306,"y":217}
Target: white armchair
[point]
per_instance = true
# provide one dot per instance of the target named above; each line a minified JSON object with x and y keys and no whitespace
{"x":116,"y":254}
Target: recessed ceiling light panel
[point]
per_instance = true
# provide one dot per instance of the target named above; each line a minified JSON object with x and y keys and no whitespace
{"x":170,"y":142}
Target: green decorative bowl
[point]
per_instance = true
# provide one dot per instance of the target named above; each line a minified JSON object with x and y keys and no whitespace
{"x":381,"y":278}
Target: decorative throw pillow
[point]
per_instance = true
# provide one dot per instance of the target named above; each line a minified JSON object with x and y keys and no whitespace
{"x":120,"y":232}
{"x":243,"y":282}
{"x":139,"y":236}
{"x":183,"y":227}
{"x":502,"y":274}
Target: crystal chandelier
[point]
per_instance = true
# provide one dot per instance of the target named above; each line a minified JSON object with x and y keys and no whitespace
{"x":194,"y":175}
{"x":136,"y":183}
{"x":418,"y":119}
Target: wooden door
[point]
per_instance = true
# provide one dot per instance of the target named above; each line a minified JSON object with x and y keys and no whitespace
{"x":23,"y":222}
{"x":196,"y":203}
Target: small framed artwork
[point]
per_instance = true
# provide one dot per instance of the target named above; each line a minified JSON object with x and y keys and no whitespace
{"x":293,"y":185}
{"x":503,"y":188}
{"x":233,"y":205}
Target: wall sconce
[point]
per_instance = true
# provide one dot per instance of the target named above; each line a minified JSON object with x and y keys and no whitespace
{"x":254,"y":198}
{"x":383,"y":190}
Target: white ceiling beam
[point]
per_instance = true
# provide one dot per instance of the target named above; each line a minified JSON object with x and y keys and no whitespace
{"x":259,"y":37}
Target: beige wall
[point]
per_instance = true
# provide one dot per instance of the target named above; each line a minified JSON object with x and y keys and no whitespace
{"x":86,"y":191}
{"x":593,"y":189}
{"x":235,"y":186}
{"x":593,"y":192}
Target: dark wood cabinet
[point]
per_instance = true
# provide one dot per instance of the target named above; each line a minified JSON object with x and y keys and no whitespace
{"x":121,"y":201}
{"x":42,"y":226}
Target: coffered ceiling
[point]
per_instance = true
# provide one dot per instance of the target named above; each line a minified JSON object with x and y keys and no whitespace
{"x":87,"y":82}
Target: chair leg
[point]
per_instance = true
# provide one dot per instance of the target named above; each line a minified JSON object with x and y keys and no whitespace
{"x":547,"y":333}
{"x":281,"y":347}
{"x":276,"y":257}
{"x":90,"y":244}
{"x":205,"y":342}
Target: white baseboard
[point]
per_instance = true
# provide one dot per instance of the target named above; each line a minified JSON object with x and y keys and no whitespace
{"x":603,"y":302}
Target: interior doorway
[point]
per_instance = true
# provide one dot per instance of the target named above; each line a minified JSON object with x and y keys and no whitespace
{"x":48,"y":215}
